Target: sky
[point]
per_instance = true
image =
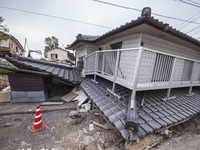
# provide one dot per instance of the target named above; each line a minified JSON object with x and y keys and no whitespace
{"x":88,"y":17}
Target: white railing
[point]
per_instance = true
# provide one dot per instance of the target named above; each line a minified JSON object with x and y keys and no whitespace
{"x":155,"y":69}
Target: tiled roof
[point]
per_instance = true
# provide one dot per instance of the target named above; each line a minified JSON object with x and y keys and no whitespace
{"x":69,"y":75}
{"x":86,"y":37}
{"x":153,"y":116}
{"x":134,"y":23}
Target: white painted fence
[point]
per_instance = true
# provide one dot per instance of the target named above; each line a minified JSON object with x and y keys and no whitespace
{"x":156,"y":70}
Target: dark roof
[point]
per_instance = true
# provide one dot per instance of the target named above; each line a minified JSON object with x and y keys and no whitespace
{"x":86,"y":37}
{"x":69,"y":75}
{"x":83,"y":38}
{"x":142,"y":20}
{"x":152,"y":117}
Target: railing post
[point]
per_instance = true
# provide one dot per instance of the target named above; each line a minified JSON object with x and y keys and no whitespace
{"x":171,"y":77}
{"x":103,"y":61}
{"x":191,"y":80}
{"x":116,"y":70}
{"x":131,"y":121}
{"x":95,"y":67}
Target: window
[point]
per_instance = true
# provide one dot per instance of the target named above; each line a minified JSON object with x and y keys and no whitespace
{"x":116,"y":45}
{"x":17,"y":49}
{"x":54,"y":56}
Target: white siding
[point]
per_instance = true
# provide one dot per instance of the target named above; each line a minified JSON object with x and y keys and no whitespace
{"x":91,"y":49}
{"x":169,"y":47}
{"x":127,"y":42}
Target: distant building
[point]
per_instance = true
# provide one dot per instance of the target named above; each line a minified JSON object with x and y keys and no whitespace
{"x":11,"y":46}
{"x":61,"y":55}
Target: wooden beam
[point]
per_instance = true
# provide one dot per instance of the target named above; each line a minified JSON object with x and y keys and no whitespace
{"x":25,"y":71}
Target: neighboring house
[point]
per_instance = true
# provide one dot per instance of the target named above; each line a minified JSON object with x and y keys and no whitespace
{"x":84,"y":46}
{"x":61,"y":55}
{"x":144,"y":70}
{"x":35,"y":80}
{"x":11,"y":46}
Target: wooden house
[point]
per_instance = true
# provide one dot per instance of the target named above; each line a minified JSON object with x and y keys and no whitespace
{"x":11,"y":46}
{"x":61,"y":55}
{"x":149,"y":66}
{"x":35,"y":80}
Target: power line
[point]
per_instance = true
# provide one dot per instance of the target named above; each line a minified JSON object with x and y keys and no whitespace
{"x":187,"y":2}
{"x":51,"y":16}
{"x":130,"y":8}
{"x":193,"y":18}
{"x":193,"y":29}
{"x":194,"y":2}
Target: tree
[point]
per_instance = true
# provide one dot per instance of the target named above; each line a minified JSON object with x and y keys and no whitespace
{"x":3,"y":30}
{"x":51,"y":43}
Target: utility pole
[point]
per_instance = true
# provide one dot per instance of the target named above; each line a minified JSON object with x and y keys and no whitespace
{"x":25,"y":44}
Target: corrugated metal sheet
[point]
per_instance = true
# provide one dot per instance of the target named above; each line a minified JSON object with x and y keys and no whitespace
{"x":154,"y":115}
{"x":69,"y":75}
{"x":27,"y":96}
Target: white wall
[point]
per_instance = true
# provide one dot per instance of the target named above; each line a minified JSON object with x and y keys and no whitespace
{"x":61,"y":54}
{"x":169,"y":47}
{"x":127,"y":42}
{"x":4,"y":43}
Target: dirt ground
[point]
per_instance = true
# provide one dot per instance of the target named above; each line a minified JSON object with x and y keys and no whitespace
{"x":64,"y":133}
{"x":185,"y":136}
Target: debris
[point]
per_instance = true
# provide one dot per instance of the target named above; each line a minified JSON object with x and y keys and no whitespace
{"x":106,"y":126}
{"x":51,"y":103}
{"x":69,"y":97}
{"x":83,"y":110}
{"x":83,"y":146}
{"x":79,"y":119}
{"x":5,"y":95}
{"x":74,"y":114}
{"x":98,"y":133}
{"x":6,"y":89}
{"x":17,"y":119}
{"x":91,"y":146}
{"x":99,"y":147}
{"x":168,"y":133}
{"x":91,"y":126}
{"x":147,"y":142}
{"x":86,"y":106}
{"x":8,"y":125}
{"x":82,"y":97}
{"x":85,"y":131}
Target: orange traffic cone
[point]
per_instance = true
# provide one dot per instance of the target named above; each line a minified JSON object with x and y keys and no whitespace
{"x":37,"y":125}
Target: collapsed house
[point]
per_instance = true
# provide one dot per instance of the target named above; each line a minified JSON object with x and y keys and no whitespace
{"x":35,"y":80}
{"x":143,"y":76}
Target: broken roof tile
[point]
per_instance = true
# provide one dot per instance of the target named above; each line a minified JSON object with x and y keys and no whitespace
{"x":150,"y":118}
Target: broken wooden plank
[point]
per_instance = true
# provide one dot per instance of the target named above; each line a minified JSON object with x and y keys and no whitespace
{"x":51,"y":103}
{"x":5,"y":96}
{"x":145,"y":143}
{"x":69,"y":97}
